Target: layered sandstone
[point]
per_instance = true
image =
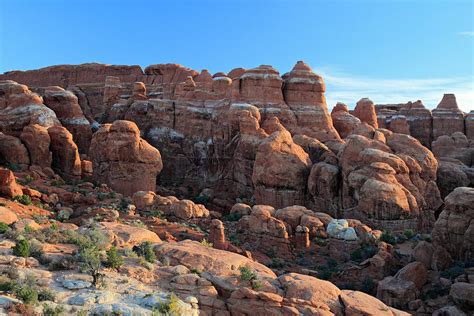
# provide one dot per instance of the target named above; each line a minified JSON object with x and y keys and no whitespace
{"x":123,"y":160}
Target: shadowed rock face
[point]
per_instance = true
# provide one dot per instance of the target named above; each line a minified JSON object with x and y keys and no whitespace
{"x":454,"y":230}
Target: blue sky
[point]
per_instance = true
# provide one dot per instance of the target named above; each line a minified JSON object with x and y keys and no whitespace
{"x":390,"y":51}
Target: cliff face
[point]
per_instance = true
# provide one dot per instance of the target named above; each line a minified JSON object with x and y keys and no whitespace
{"x":219,"y":131}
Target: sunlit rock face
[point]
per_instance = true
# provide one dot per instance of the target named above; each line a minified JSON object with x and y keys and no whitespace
{"x":447,"y":117}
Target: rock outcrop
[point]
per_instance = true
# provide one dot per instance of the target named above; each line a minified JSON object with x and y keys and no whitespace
{"x":123,"y":160}
{"x":37,"y":141}
{"x":365,"y":111}
{"x":447,"y":117}
{"x":280,"y":170}
{"x":65,"y":104}
{"x":454,"y":230}
{"x":20,"y":107}
{"x":66,"y":160}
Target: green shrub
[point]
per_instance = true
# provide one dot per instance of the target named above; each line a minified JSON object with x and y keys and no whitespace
{"x":246,"y":274}
{"x":22,"y":248}
{"x":201,"y":199}
{"x":102,"y":196}
{"x":453,"y":272}
{"x":49,"y":310}
{"x":28,"y":179}
{"x":231,"y":217}
{"x":27,"y":293}
{"x":13,"y":166}
{"x":206,"y":243}
{"x":23,"y":199}
{"x":46,"y":295}
{"x":368,"y":286}
{"x":277,"y":263}
{"x":4,"y":228}
{"x":389,"y":237}
{"x":256,"y":285}
{"x":91,"y":263}
{"x":320,"y":241}
{"x":114,"y":259}
{"x":36,"y":249}
{"x":408,"y":233}
{"x":145,"y":249}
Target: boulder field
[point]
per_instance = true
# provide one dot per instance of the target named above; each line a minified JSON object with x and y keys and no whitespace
{"x":170,"y":190}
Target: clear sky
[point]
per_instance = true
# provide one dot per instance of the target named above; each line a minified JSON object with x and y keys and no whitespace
{"x":390,"y":51}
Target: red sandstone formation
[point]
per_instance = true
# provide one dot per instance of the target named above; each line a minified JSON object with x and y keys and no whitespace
{"x":65,"y":104}
{"x":447,"y":117}
{"x":66,"y":159}
{"x":365,"y":111}
{"x":280,"y":170}
{"x":344,"y":122}
{"x":453,"y":231}
{"x":123,"y":160}
{"x":20,"y":107}
{"x":37,"y":141}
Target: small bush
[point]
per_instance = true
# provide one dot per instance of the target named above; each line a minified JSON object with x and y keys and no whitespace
{"x":320,"y":241}
{"x":145,"y":249}
{"x":206,"y":243}
{"x":27,"y":180}
{"x":408,"y":233}
{"x":231,"y":217}
{"x":46,"y":295}
{"x":389,"y":237}
{"x":49,"y":310}
{"x":246,"y":274}
{"x":23,"y":199}
{"x":368,"y":286}
{"x":13,"y":166}
{"x":114,"y":259}
{"x":201,"y":199}
{"x":102,"y":196}
{"x":453,"y":272}
{"x":36,"y":249}
{"x":4,"y":228}
{"x":256,"y":285}
{"x":277,"y":263}
{"x":28,"y":294}
{"x":22,"y":248}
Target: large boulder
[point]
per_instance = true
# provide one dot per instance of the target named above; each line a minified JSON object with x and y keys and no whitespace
{"x":365,"y":111}
{"x":37,"y":141}
{"x":65,"y":104}
{"x":20,"y":107}
{"x":122,"y":235}
{"x":344,"y":122}
{"x":280,"y":171}
{"x":13,"y":152}
{"x":66,"y":160}
{"x":8,"y":185}
{"x":123,"y":160}
{"x":454,"y":229}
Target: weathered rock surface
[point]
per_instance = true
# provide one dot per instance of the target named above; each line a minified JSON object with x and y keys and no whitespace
{"x":123,"y":160}
{"x":280,"y":170}
{"x":37,"y":141}
{"x":65,"y":104}
{"x":66,"y":160}
{"x":20,"y":107}
{"x":447,"y":117}
{"x":454,"y":230}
